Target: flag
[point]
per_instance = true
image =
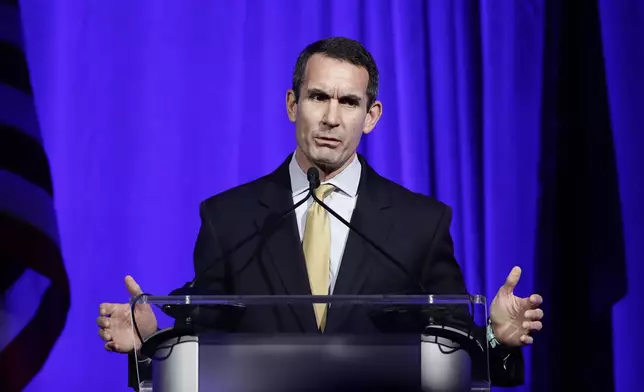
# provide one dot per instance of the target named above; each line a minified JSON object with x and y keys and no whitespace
{"x":34,"y":289}
{"x":581,"y":265}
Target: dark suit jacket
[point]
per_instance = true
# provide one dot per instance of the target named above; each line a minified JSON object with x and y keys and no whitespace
{"x":240,"y":250}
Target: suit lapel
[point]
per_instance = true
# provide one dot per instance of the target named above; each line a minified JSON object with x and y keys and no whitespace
{"x":373,"y":216}
{"x":282,"y":242}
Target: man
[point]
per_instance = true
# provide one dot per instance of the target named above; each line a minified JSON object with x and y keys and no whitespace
{"x":333,"y":102}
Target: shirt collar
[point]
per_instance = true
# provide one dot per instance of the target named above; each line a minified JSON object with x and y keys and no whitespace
{"x":347,"y":180}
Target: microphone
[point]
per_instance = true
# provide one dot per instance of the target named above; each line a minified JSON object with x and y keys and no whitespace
{"x":313,"y":176}
{"x":397,"y":318}
{"x":191,"y":288}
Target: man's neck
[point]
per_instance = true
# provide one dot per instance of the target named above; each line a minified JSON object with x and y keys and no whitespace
{"x":325,"y":174}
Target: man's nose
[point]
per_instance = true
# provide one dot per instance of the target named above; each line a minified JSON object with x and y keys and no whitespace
{"x":332,"y":117}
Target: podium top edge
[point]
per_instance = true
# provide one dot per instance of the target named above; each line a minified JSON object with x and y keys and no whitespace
{"x":365,"y":300}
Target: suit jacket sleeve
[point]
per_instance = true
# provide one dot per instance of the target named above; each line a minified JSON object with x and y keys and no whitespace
{"x":443,"y":275}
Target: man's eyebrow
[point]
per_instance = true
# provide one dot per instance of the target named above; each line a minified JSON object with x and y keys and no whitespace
{"x":352,"y":97}
{"x":318,"y":91}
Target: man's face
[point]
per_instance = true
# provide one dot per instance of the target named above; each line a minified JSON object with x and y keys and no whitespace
{"x":332,"y":112}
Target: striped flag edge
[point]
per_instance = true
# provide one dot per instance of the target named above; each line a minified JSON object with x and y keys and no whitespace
{"x":29,"y":238}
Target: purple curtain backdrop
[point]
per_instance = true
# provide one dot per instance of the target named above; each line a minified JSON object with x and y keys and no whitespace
{"x":146,"y":108}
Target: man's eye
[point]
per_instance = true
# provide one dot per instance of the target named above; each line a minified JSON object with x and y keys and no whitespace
{"x":318,"y":97}
{"x":349,"y":102}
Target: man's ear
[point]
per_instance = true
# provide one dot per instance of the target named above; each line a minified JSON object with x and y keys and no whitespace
{"x":291,"y":105}
{"x":373,"y":115}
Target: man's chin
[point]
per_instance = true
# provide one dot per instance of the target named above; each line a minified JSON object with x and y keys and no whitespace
{"x":328,"y":164}
{"x":325,"y":159}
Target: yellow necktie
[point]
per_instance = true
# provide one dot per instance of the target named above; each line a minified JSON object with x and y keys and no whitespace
{"x":317,"y":250}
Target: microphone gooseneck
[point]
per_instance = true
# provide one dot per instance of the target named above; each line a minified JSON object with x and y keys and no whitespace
{"x":191,"y":288}
{"x":435,"y":320}
{"x":313,"y":175}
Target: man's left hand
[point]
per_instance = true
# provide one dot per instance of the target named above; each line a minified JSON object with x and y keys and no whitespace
{"x":514,"y":318}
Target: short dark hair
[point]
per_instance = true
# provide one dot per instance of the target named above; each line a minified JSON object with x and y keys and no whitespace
{"x":343,"y":49}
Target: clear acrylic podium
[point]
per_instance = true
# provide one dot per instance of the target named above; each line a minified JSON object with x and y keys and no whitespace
{"x":424,"y":343}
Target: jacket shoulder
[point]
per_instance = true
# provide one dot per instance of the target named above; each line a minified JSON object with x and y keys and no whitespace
{"x":237,"y":196}
{"x":414,"y":201}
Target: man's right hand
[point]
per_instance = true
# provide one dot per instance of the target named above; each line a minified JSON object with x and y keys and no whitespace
{"x":115,"y":323}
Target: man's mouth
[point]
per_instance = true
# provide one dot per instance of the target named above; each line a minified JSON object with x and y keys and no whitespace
{"x":327,"y":141}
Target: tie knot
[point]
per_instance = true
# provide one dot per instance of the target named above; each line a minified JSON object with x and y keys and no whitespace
{"x":323,"y":191}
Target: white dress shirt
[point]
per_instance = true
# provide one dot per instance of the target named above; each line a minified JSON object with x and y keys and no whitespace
{"x":342,"y":200}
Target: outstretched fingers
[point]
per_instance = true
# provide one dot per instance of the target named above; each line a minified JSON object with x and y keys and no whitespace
{"x":107,"y":309}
